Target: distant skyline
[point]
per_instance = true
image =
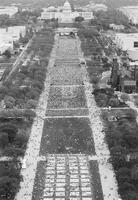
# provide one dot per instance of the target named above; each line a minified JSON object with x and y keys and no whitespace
{"x":42,"y":3}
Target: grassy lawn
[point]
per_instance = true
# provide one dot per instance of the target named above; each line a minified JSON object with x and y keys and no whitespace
{"x":62,"y":136}
{"x":67,"y":75}
{"x":106,"y":97}
{"x":39,"y":181}
{"x":122,"y":139}
{"x":136,"y":100}
{"x":68,"y":97}
{"x":96,"y":182}
{"x":9,"y":179}
{"x":77,"y":112}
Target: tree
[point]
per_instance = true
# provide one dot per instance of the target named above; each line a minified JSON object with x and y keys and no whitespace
{"x":114,"y":102}
{"x":88,"y":33}
{"x":8,"y":187}
{"x":4,"y":20}
{"x":79,"y":19}
{"x":9,"y":102}
{"x":10,"y":129}
{"x":123,"y":171}
{"x":125,"y":186}
{"x":14,"y":151}
{"x":95,"y":80}
{"x":21,"y":139}
{"x":125,"y":97}
{"x":4,"y":140}
{"x":31,"y":104}
{"x":7,"y":53}
{"x":33,"y":94}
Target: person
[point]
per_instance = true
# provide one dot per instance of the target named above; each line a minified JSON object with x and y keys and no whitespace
{"x":24,"y":163}
{"x":109,"y":108}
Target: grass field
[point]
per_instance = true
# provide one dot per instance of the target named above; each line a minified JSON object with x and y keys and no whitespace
{"x":69,"y":97}
{"x":64,"y":74}
{"x":65,"y":136}
{"x":96,"y":182}
{"x":39,"y":181}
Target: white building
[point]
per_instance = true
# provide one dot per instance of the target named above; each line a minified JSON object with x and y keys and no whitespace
{"x":9,"y":10}
{"x":12,"y":33}
{"x":129,"y":43}
{"x":131,"y":12}
{"x":97,"y":7}
{"x":9,"y":35}
{"x":4,"y":47}
{"x":126,"y":41}
{"x":116,"y":27}
{"x":65,"y":14}
{"x":17,"y":31}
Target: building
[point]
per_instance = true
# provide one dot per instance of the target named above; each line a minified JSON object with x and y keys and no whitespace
{"x":92,"y":7}
{"x":124,"y":77}
{"x":64,"y":14}
{"x":129,"y":43}
{"x":116,"y":27}
{"x":131,"y":12}
{"x":8,"y":10}
{"x":4,"y":47}
{"x":97,"y":7}
{"x":9,"y":35}
{"x":127,"y":81}
{"x":126,"y":41}
{"x":13,"y":33}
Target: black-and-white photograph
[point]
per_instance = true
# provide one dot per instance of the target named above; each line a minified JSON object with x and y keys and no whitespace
{"x":68,"y":99}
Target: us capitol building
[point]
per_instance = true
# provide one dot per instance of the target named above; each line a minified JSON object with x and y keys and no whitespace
{"x":64,"y":14}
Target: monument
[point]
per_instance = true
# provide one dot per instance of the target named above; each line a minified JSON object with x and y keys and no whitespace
{"x":65,"y":14}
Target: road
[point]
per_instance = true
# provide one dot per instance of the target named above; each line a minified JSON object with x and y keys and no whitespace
{"x":15,"y":65}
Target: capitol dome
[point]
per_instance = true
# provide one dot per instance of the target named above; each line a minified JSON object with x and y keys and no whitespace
{"x":67,"y":7}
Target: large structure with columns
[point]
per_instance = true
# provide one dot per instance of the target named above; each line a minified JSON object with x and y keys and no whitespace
{"x":64,"y":14}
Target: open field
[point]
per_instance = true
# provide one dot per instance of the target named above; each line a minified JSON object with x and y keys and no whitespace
{"x":66,"y":97}
{"x":62,"y":136}
{"x":67,"y":74}
{"x":39,"y":181}
{"x":96,"y":182}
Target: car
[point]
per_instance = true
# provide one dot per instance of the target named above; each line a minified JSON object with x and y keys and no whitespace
{"x":82,"y":62}
{"x":66,"y":34}
{"x":61,"y":34}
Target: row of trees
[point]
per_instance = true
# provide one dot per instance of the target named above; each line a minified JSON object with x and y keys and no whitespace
{"x":122,"y":140}
{"x":20,"y":18}
{"x":22,"y":91}
{"x":26,"y":85}
{"x":111,"y":16}
{"x":93,"y":50}
{"x":106,"y":97}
